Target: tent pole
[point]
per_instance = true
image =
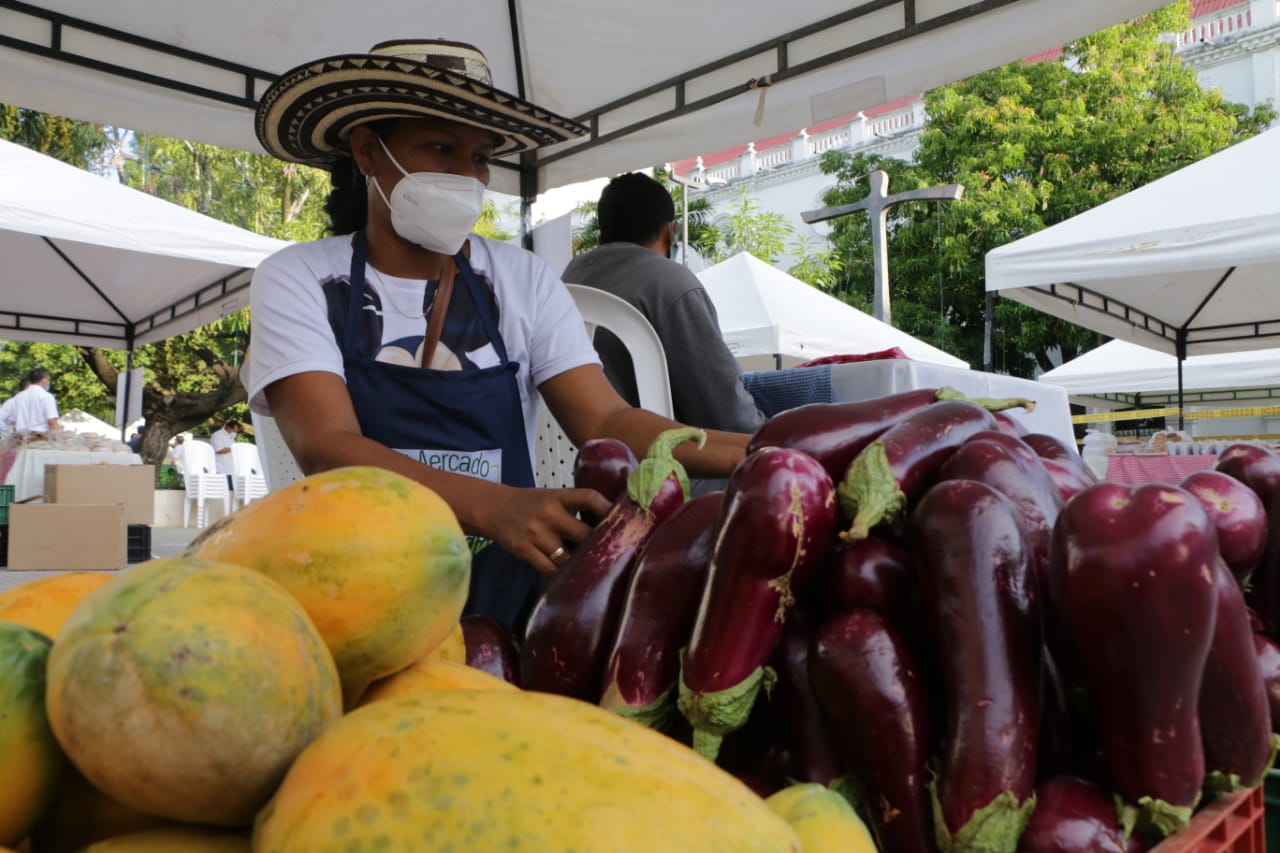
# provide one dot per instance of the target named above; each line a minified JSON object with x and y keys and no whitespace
{"x":1182,"y":355}
{"x":528,"y":195}
{"x":128,"y":376}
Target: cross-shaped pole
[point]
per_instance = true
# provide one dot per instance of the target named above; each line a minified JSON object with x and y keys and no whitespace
{"x":877,"y":203}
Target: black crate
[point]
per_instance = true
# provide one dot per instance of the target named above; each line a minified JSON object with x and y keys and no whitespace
{"x":4,"y":546}
{"x":138,"y":543}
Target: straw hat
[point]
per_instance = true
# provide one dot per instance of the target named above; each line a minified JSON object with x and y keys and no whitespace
{"x":306,"y":115}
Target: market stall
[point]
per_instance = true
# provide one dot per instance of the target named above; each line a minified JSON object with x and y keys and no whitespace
{"x":23,"y":468}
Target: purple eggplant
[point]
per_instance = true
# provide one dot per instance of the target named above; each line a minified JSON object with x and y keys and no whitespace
{"x":1235,"y":717}
{"x":872,"y":573}
{"x":1238,"y":516}
{"x":1013,"y":469}
{"x":571,"y":628}
{"x":1259,"y":469}
{"x":1076,"y":816}
{"x":661,"y":605}
{"x":1009,"y":425}
{"x":1131,"y":585}
{"x":1269,"y":663}
{"x":805,"y":729}
{"x":490,"y":647}
{"x":981,"y":603}
{"x":834,"y":433}
{"x":867,"y":681}
{"x":775,"y":530}
{"x":903,"y":462}
{"x":603,"y":464}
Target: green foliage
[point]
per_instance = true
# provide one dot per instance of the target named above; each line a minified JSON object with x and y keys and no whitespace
{"x":76,"y":142}
{"x":586,"y":233}
{"x":747,"y":228}
{"x":1032,"y":145}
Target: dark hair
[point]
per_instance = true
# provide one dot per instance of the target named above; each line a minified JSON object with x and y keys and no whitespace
{"x":37,"y":374}
{"x":634,"y":208}
{"x":229,"y":423}
{"x":348,"y":202}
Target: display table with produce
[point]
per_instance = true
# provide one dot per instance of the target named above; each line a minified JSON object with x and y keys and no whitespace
{"x":1138,"y":468}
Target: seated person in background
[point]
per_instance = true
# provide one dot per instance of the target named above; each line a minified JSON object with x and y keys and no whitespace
{"x":637,"y":231}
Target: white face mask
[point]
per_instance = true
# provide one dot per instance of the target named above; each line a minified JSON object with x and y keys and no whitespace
{"x":433,"y":209}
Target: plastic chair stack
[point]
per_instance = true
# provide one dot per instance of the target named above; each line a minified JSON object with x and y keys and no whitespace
{"x":247,"y":479}
{"x":281,"y":468}
{"x":553,"y":467}
{"x":202,"y":482}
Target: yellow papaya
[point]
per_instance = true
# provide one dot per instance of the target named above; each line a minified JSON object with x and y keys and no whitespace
{"x":823,"y":819}
{"x":177,"y":840}
{"x":378,"y":561}
{"x":433,"y":673}
{"x":184,"y":689}
{"x":453,"y":648}
{"x":496,"y":770}
{"x":44,"y":604}
{"x":31,"y":762}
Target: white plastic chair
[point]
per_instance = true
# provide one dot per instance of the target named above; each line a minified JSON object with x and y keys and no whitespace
{"x":279,"y":466}
{"x":555,"y":452}
{"x":202,"y":482}
{"x":247,"y":480}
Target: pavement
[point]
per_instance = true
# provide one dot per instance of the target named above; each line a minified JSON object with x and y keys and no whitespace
{"x":165,"y":542}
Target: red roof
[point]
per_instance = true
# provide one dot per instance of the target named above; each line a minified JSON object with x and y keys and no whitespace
{"x":1200,"y":8}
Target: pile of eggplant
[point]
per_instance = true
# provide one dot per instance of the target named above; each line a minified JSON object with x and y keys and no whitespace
{"x":913,"y":600}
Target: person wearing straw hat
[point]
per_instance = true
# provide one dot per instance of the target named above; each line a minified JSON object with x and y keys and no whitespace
{"x":405,"y":341}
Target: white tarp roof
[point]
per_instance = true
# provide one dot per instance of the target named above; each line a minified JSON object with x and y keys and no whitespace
{"x":1196,"y":252}
{"x":657,"y":81}
{"x":1123,"y":371}
{"x":764,"y":312}
{"x":90,"y":261}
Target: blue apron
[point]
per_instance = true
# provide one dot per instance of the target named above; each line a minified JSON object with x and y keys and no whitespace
{"x":460,"y":420}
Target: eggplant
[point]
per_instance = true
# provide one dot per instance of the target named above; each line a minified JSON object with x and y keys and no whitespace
{"x":1013,"y":469}
{"x":1076,"y":816}
{"x":1057,"y":730}
{"x":867,"y":681}
{"x":1009,"y":425}
{"x":571,"y":629}
{"x":805,"y":729}
{"x":1238,"y":516}
{"x":1259,"y":469}
{"x":774,"y":531}
{"x":490,"y":647}
{"x":603,"y":464}
{"x":982,"y":605}
{"x":1131,"y":585}
{"x":1066,"y":467}
{"x":834,"y":433}
{"x":875,"y":574}
{"x":1235,"y":715}
{"x":757,"y":754}
{"x":903,"y":462}
{"x":1269,"y":664}
{"x":658,"y":614}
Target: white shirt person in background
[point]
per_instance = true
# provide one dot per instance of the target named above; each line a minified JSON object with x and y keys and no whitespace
{"x":34,"y":409}
{"x":8,"y":407}
{"x":221,"y":442}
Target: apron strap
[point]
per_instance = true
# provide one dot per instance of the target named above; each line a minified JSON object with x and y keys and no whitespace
{"x":478,"y":295}
{"x":439,"y":309}
{"x":354,"y":330}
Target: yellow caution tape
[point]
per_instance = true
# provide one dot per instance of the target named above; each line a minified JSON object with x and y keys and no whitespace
{"x":1205,"y":415}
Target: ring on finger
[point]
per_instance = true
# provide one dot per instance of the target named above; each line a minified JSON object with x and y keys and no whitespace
{"x":557,"y":555}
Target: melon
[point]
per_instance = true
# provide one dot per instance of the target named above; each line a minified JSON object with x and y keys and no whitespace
{"x":31,"y":763}
{"x":376,"y":559}
{"x":185,"y":689}
{"x":45,"y":603}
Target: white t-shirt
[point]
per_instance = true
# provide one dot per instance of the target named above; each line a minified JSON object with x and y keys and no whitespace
{"x":33,"y":408}
{"x":298,"y":302}
{"x":220,"y":439}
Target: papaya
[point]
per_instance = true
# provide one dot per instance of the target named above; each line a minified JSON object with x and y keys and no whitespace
{"x":31,"y":762}
{"x":433,"y":673}
{"x":45,"y":603}
{"x":823,"y":819}
{"x":377,"y":560}
{"x":185,"y":689}
{"x":498,"y":770}
{"x":454,"y":646}
{"x":177,"y":840}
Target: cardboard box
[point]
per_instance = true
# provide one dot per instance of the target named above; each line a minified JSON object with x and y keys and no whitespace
{"x":74,"y":537}
{"x":131,"y":485}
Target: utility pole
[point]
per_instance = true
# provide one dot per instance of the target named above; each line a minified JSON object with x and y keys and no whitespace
{"x":877,"y":203}
{"x":684,"y":183}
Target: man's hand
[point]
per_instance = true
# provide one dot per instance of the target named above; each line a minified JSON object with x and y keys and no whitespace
{"x":531,"y":524}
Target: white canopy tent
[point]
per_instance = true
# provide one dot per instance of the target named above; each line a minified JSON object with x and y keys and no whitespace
{"x":1120,"y":374}
{"x":770,"y":319}
{"x":654,"y":81}
{"x":90,"y":261}
{"x":1187,"y":264}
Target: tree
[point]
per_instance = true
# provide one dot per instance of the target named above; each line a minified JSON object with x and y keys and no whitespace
{"x":1033,"y":144}
{"x":747,"y":228}
{"x":586,"y":234}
